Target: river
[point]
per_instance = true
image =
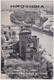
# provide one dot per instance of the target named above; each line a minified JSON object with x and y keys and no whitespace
{"x":45,"y":40}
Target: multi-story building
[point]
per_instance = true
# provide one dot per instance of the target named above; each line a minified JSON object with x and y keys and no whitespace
{"x":29,"y":49}
{"x":28,"y":45}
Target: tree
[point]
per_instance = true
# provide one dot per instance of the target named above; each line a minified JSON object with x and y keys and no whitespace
{"x":5,"y":32}
{"x":49,"y":70}
{"x":2,"y":40}
{"x":13,"y":33}
{"x":2,"y":58}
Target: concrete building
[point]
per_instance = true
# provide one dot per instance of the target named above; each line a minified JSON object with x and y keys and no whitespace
{"x":28,"y":45}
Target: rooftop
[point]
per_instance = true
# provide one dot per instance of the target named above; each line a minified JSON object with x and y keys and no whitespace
{"x":25,"y":31}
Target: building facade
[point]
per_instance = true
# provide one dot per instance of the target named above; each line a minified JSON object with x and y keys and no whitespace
{"x":28,"y":45}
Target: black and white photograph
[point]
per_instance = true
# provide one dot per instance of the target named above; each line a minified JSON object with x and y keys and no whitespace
{"x":27,"y":39}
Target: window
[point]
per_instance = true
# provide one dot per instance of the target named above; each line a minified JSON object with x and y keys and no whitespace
{"x":34,"y":48}
{"x":13,"y":33}
{"x":28,"y":47}
{"x":9,"y":27}
{"x":5,"y":32}
{"x":32,"y":44}
{"x":9,"y":33}
{"x":7,"y":39}
{"x":41,"y":58}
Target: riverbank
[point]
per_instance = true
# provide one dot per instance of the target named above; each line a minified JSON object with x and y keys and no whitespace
{"x":42,"y":31}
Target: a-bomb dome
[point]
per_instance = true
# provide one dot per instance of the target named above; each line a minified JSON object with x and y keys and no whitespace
{"x":22,"y":31}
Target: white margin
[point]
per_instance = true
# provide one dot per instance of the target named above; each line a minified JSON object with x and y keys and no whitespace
{"x":0,"y":40}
